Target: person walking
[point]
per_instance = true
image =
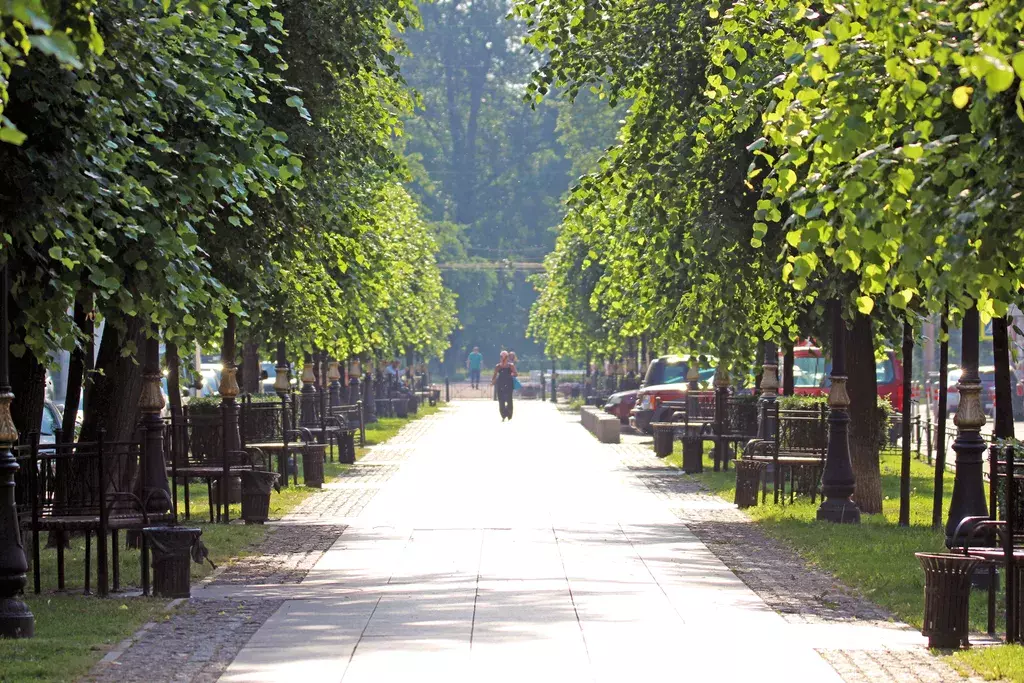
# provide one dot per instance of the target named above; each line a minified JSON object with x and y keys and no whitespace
{"x":504,"y":372}
{"x":474,"y":363}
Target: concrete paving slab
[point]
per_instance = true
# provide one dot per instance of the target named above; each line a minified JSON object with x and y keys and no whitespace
{"x":525,"y":551}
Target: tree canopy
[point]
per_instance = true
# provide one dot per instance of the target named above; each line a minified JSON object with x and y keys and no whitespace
{"x":232,"y":156}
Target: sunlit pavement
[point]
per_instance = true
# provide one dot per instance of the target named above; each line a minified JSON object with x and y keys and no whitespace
{"x":525,"y":551}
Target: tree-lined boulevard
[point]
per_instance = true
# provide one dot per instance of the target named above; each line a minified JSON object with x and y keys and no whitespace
{"x":246,"y":234}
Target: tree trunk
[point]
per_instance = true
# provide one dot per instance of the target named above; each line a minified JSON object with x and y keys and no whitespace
{"x":77,"y":365}
{"x":759,"y":375}
{"x":1004,"y":393}
{"x":788,"y":381}
{"x":173,"y":379}
{"x":905,"y":408}
{"x":940,"y":424}
{"x":114,"y":397}
{"x":250,"y":369}
{"x":863,"y":389}
{"x":28,"y":383}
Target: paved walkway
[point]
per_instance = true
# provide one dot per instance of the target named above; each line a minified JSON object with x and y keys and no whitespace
{"x":526,"y":550}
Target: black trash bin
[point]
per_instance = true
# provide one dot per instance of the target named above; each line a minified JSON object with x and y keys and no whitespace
{"x":414,"y":405}
{"x":234,"y":490}
{"x":947,"y":592}
{"x":313,"y":455}
{"x":256,"y":489}
{"x":347,"y":448}
{"x":748,"y":482}
{"x":171,"y":548}
{"x":663,"y":442}
{"x":400,"y":406}
{"x":693,"y":452}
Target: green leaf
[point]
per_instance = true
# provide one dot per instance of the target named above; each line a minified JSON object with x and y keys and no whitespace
{"x":12,"y":135}
{"x":865,"y":304}
{"x":961,"y":96}
{"x":829,"y":55}
{"x":1018,"y":64}
{"x":913,"y":151}
{"x":1001,"y":76}
{"x":57,"y":45}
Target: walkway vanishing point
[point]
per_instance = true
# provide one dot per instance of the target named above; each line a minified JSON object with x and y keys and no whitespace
{"x":467,"y":549}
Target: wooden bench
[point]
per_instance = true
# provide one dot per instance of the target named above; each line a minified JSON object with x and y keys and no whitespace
{"x":691,"y":421}
{"x":998,"y":539}
{"x":197,"y":452}
{"x":90,"y":488}
{"x":797,"y":449}
{"x":347,"y":422}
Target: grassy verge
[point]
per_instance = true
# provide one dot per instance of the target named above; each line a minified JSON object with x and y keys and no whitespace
{"x":876,"y":557}
{"x":73,"y":631}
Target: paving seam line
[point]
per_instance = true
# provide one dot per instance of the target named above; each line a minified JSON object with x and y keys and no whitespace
{"x":936,"y":667}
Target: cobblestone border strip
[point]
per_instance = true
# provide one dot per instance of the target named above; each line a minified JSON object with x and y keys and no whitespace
{"x":778,"y":575}
{"x":196,"y":644}
{"x":200,"y":638}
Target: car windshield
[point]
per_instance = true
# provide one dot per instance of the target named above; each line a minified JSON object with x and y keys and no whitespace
{"x":49,"y":421}
{"x":814,"y":372}
{"x":808,"y":371}
{"x":884,"y":372}
{"x":673,"y":372}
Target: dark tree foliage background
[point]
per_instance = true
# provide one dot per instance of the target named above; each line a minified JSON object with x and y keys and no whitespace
{"x":488,"y":167}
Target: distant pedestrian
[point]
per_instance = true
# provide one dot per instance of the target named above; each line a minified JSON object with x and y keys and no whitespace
{"x":474,"y":363}
{"x":503,"y":381}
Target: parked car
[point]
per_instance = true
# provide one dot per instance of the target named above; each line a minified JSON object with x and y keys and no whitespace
{"x":50,"y":423}
{"x":210,"y":373}
{"x":952,"y":393}
{"x":987,"y":374}
{"x":665,"y":370}
{"x":268,"y":377}
{"x":621,"y":404}
{"x":671,"y":371}
{"x":811,"y":370}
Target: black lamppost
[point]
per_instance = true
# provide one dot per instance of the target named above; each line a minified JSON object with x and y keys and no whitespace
{"x":334,"y":377}
{"x":282,"y":383}
{"x":16,"y":621}
{"x":229,"y":389}
{"x":769,"y":391}
{"x":308,"y":417}
{"x":320,"y":385}
{"x":968,"y":486}
{"x":693,"y":442}
{"x":283,"y":389}
{"x":554,"y":387}
{"x":369,"y":399}
{"x":231,"y":439}
{"x":837,"y":479}
{"x":156,"y":494}
{"x":721,"y":413}
{"x":692,"y":385}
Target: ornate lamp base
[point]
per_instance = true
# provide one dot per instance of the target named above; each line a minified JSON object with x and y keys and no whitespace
{"x":16,"y":621}
{"x":839,"y":511}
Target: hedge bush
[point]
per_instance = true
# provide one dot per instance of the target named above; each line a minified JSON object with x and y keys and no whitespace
{"x":204,"y":405}
{"x":884,"y":412}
